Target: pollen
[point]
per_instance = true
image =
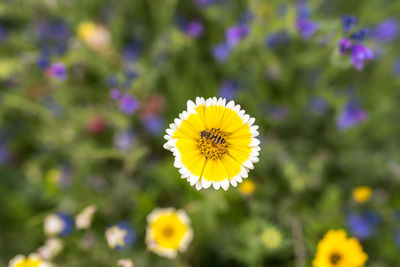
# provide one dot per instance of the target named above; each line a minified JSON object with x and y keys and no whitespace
{"x":210,"y":148}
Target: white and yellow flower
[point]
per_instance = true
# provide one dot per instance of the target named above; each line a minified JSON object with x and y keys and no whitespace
{"x":33,"y":260}
{"x":51,"y":248}
{"x":168,"y":231}
{"x":214,"y":143}
{"x":94,"y":35}
{"x":84,"y":219}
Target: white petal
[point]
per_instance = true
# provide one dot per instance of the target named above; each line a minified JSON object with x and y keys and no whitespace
{"x":251,"y":121}
{"x":206,"y":184}
{"x":245,"y":118}
{"x":200,"y":101}
{"x":243,"y":172}
{"x":193,"y":179}
{"x":170,"y":132}
{"x":216,"y":185}
{"x":233,"y":182}
{"x":178,"y":163}
{"x":237,"y":108}
{"x":221,"y":102}
{"x":248,"y":164}
{"x":190,"y":105}
{"x":225,"y":184}
{"x":254,"y":142}
{"x":199,"y":185}
{"x":230,"y":104}
{"x":208,"y":102}
{"x":177,"y":122}
{"x":254,"y":159}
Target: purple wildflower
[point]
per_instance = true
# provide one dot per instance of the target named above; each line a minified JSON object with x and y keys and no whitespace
{"x":351,"y":115}
{"x":221,"y":52}
{"x":344,"y":45}
{"x":396,"y":67}
{"x":3,"y":33}
{"x":129,"y":235}
{"x":115,"y":94}
{"x":235,"y":34}
{"x":58,"y":71}
{"x":348,"y":22}
{"x":4,"y":154}
{"x":123,"y":140}
{"x":194,"y":28}
{"x":303,"y":10}
{"x":132,"y":50}
{"x":277,"y":39}
{"x":386,"y":31}
{"x":360,"y":35}
{"x":306,"y":27}
{"x":397,"y":238}
{"x":359,"y":55}
{"x":318,"y":104}
{"x":228,"y":89}
{"x":203,"y":3}
{"x":68,"y":223}
{"x":43,"y":63}
{"x":278,"y":112}
{"x":360,"y":226}
{"x":153,"y":123}
{"x":128,"y":104}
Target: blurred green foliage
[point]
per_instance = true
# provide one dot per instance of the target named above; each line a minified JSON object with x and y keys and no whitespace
{"x":308,"y":167}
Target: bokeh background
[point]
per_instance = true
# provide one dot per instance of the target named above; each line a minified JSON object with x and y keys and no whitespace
{"x":87,"y":89}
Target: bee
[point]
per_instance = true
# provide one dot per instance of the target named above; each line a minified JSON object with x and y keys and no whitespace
{"x":217,"y":139}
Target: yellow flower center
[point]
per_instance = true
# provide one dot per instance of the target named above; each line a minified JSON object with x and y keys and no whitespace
{"x":213,"y":143}
{"x":335,"y":258}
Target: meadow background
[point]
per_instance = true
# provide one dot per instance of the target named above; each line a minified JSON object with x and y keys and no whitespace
{"x":68,"y":141}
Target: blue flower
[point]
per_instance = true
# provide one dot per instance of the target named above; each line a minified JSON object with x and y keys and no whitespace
{"x":57,"y":70}
{"x":68,"y":223}
{"x":228,"y":89}
{"x":59,"y":223}
{"x":43,"y":63}
{"x":306,"y":27}
{"x":277,"y":39}
{"x":360,"y":35}
{"x":318,"y":104}
{"x":386,"y":31}
{"x":3,"y":33}
{"x":235,"y":34}
{"x":154,"y":124}
{"x":363,"y":226}
{"x":132,"y":50}
{"x":4,"y":154}
{"x":124,"y":140}
{"x":359,"y":55}
{"x":128,"y":104}
{"x":221,"y":52}
{"x":194,"y":28}
{"x":203,"y":3}
{"x":359,"y":226}
{"x":397,"y":238}
{"x":396,"y":67}
{"x":351,"y":115}
{"x":115,"y":94}
{"x":120,"y":235}
{"x":348,"y":22}
{"x":303,"y":10}
{"x":344,"y":45}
